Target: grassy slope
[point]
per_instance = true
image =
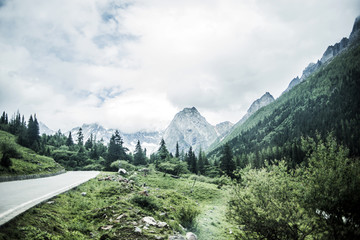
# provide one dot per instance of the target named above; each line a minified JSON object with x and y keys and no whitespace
{"x":28,"y":161}
{"x":73,"y":216}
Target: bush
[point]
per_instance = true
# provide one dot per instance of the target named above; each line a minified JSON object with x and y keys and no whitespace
{"x":173,"y":168}
{"x":187,"y":215}
{"x":6,"y":161}
{"x":93,"y":166}
{"x":10,"y":150}
{"x":145,"y":202}
{"x":123,"y":164}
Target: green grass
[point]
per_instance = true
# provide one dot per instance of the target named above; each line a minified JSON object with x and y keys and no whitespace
{"x":26,"y":162}
{"x":120,"y":206}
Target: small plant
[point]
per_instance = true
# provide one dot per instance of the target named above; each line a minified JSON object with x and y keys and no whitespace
{"x":145,"y":202}
{"x":187,"y":215}
{"x":9,"y":151}
{"x":6,"y":161}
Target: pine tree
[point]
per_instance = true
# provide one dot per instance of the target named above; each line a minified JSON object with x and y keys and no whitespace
{"x":163,"y":152}
{"x":201,"y":162}
{"x":116,"y":151}
{"x":177,"y":154}
{"x":191,"y":161}
{"x":69,"y":140}
{"x":80,"y":137}
{"x":33,"y":133}
{"x":139,"y":157}
{"x":89,"y":142}
{"x":227,"y":164}
{"x":2,"y":118}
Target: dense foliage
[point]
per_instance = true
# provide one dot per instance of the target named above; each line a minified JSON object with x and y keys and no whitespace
{"x":320,"y":201}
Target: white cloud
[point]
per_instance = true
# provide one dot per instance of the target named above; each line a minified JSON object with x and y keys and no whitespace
{"x":133,"y":64}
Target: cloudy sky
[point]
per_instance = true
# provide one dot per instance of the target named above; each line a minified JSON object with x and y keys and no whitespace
{"x":132,"y":65}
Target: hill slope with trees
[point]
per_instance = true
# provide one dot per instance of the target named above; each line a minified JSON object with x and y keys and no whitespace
{"x":328,"y":101}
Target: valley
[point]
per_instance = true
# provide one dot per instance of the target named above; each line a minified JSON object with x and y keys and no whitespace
{"x":288,"y":169}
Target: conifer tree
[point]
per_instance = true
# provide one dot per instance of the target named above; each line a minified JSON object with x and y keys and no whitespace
{"x":2,"y":118}
{"x":201,"y":162}
{"x":191,"y":161}
{"x":163,"y":152}
{"x":69,"y":140}
{"x":116,"y":151}
{"x":89,"y":142}
{"x":80,"y":137}
{"x":139,"y":157}
{"x":177,"y":154}
{"x":33,"y":133}
{"x":227,"y":164}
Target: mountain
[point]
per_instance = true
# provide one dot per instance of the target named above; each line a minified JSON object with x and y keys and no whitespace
{"x":45,"y":130}
{"x":223,"y":128}
{"x":148,"y":140}
{"x":189,"y":128}
{"x":265,"y":100}
{"x":331,"y":52}
{"x":326,"y":101}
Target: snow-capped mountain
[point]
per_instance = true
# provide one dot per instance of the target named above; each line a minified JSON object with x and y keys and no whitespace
{"x":148,"y":140}
{"x":43,"y":129}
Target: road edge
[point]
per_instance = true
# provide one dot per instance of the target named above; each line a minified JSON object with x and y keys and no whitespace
{"x":32,"y":176}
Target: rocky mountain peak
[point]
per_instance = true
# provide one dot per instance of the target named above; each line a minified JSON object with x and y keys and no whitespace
{"x":223,"y":128}
{"x":189,"y":128}
{"x":330,"y":53}
{"x":189,"y":111}
{"x":261,"y":102}
{"x":355,"y":33}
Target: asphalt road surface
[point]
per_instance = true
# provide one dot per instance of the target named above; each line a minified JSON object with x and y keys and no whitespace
{"x":18,"y":196}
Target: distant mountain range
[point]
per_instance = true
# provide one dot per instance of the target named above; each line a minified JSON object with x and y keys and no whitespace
{"x":190,"y":128}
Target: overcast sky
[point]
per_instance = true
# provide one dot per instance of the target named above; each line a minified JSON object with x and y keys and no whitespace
{"x":132,"y":65}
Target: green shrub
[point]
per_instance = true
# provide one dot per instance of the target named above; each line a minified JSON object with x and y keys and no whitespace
{"x":6,"y":161}
{"x":145,"y":202}
{"x":93,"y":166}
{"x":123,"y":164}
{"x":10,"y":150}
{"x":174,"y":168}
{"x":187,"y":215}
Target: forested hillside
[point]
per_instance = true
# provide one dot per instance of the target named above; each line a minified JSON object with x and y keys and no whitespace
{"x":328,"y":101}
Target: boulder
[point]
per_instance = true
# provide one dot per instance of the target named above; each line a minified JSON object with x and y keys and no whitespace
{"x":122,"y":171}
{"x":161,"y":224}
{"x":191,"y":236}
{"x":149,"y":220}
{"x":176,"y":237}
{"x":137,"y":230}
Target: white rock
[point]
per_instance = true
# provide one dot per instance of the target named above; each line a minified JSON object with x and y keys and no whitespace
{"x":161,"y":224}
{"x":137,"y":230}
{"x":149,"y":220}
{"x":191,"y":236}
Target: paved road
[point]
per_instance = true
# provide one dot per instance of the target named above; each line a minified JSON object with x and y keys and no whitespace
{"x":18,"y":196}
